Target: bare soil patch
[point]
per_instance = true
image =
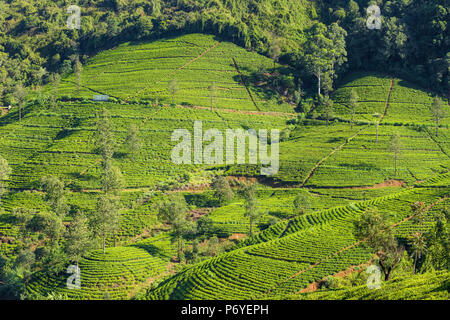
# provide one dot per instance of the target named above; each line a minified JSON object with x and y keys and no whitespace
{"x":341,"y":274}
{"x":237,"y":236}
{"x":387,"y":183}
{"x":196,"y":214}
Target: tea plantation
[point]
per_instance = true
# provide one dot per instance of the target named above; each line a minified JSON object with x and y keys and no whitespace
{"x":344,"y":169}
{"x":428,"y":286}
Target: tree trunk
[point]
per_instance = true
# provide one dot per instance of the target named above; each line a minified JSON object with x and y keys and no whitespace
{"x":319,"y":78}
{"x":385,"y":270}
{"x":78,"y":82}
{"x":415,"y":263}
{"x":104,"y":245}
{"x":178,"y":249}
{"x":251,"y":226}
{"x":395,"y":165}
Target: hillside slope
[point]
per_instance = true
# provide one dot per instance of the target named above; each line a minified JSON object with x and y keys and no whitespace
{"x":326,"y":160}
{"x":301,"y":252}
{"x":428,"y":286}
{"x":342,"y":155}
{"x":142,"y":71}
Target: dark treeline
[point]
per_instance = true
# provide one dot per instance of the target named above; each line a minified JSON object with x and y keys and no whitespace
{"x":413,"y":41}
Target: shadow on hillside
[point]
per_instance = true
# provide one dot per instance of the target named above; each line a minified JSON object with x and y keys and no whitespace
{"x":13,"y":115}
{"x":444,"y":287}
{"x":68,"y":129}
{"x":151,"y":249}
{"x":86,"y":177}
{"x":8,"y":218}
{"x":63,"y":133}
{"x":413,"y":86}
{"x":267,"y":83}
{"x":358,"y":166}
{"x":335,"y":139}
{"x":121,"y":155}
{"x":355,"y":75}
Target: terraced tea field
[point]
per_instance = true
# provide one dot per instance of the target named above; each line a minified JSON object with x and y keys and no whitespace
{"x":308,"y":249}
{"x":429,"y":286}
{"x":143,"y":71}
{"x":338,"y":155}
{"x":344,"y":170}
{"x":114,"y":274}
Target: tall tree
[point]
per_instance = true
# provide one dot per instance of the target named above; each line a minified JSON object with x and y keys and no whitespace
{"x":222,"y":189}
{"x":325,"y":51}
{"x":376,"y":232}
{"x":15,"y":274}
{"x":418,"y":212}
{"x":418,"y":246}
{"x":173,"y":212}
{"x":133,"y":140}
{"x":353,"y":105}
{"x":394,"y":147}
{"x":250,"y":202}
{"x":438,"y":244}
{"x":78,"y":69}
{"x":78,"y":240}
{"x":107,"y":218}
{"x":5,"y":171}
{"x":327,"y":105}
{"x":438,"y":112}
{"x":112,"y":178}
{"x":55,"y":195}
{"x":275,"y":51}
{"x":173,"y":89}
{"x":23,"y":218}
{"x":104,"y":135}
{"x":301,"y":203}
{"x":11,"y":279}
{"x":108,"y":215}
{"x":49,"y":224}
{"x":377,"y":118}
{"x":19,"y":94}
{"x":39,"y":75}
{"x":338,"y":52}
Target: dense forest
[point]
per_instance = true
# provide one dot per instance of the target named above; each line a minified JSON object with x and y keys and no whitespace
{"x":413,"y":41}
